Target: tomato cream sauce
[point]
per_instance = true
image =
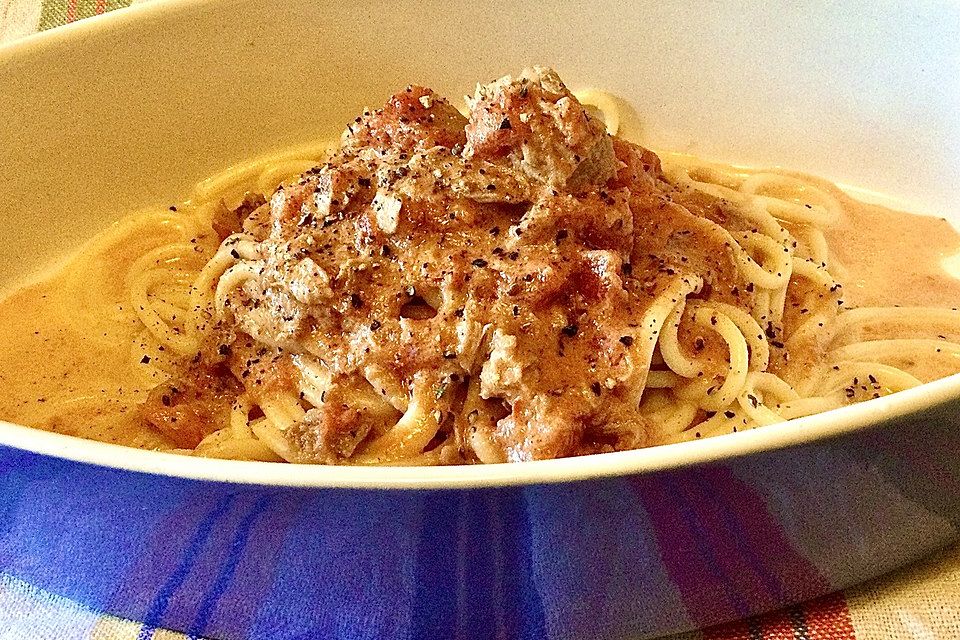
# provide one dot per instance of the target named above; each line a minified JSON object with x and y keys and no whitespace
{"x":71,"y":362}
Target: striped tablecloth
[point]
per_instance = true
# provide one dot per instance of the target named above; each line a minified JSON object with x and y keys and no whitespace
{"x":921,"y":603}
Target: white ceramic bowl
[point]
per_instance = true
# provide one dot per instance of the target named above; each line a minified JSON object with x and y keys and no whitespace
{"x":131,"y":109}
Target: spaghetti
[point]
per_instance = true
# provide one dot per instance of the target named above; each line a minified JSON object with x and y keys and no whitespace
{"x":515,"y":285}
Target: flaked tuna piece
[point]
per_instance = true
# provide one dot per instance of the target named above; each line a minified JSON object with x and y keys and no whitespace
{"x":535,"y":124}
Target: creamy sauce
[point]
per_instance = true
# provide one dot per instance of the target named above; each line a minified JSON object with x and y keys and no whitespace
{"x":67,"y":362}
{"x":892,"y":258}
{"x":70,"y":364}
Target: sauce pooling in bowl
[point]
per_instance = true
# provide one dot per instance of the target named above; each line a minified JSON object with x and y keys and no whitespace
{"x":514,"y":284}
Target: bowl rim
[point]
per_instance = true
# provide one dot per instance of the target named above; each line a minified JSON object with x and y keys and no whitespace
{"x":808,"y":430}
{"x":849,"y":420}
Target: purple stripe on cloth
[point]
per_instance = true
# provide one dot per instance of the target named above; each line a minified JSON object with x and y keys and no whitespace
{"x":718,"y":529}
{"x":697,"y":580}
{"x":759,"y":536}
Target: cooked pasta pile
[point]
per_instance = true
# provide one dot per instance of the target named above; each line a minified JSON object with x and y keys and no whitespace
{"x":513,"y":284}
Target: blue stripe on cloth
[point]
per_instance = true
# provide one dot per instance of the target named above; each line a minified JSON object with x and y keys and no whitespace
{"x":503,"y":573}
{"x":237,"y":546}
{"x":176,"y":579}
{"x":511,"y":544}
{"x":476,"y":582}
{"x":434,"y":612}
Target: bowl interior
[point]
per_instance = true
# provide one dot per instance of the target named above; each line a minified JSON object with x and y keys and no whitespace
{"x":132,"y":109}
